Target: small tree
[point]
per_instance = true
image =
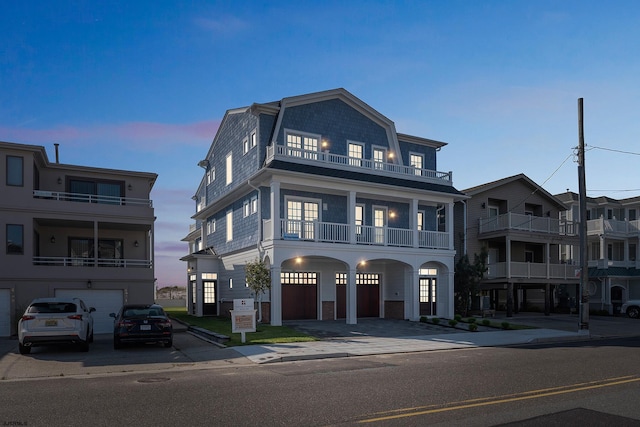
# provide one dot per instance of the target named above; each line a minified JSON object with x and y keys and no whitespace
{"x":258,"y":279}
{"x":466,"y":280}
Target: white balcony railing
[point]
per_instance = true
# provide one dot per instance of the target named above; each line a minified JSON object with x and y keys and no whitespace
{"x":90,"y":198}
{"x":536,"y":224}
{"x":603,"y":226}
{"x":90,"y":262}
{"x":317,"y":231}
{"x":357,"y":164}
{"x":531,"y":270}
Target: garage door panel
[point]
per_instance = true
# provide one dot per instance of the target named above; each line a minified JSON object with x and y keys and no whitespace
{"x":299,"y":302}
{"x":104,"y":301}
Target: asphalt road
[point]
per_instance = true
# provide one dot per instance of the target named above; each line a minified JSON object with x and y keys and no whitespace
{"x":579,"y":383}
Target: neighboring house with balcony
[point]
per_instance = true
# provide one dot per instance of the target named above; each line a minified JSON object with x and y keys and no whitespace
{"x":72,"y":231}
{"x":613,"y":232}
{"x":520,"y":225}
{"x":351,"y":217}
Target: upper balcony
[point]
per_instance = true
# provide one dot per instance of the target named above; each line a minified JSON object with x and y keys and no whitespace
{"x":531,"y":270}
{"x":325,"y":158}
{"x":527,"y":223}
{"x":613,"y":227}
{"x":91,"y":198}
{"x":326,"y":232}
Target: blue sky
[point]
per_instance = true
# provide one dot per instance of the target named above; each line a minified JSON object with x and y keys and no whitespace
{"x":143,"y":85}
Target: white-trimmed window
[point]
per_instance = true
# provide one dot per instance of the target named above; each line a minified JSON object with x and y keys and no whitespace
{"x":379,"y":157}
{"x":15,"y":171}
{"x":380,"y":223}
{"x":254,"y":204}
{"x":211,"y":175}
{"x":420,"y":220}
{"x":301,"y":215}
{"x":229,"y":226}
{"x":417,"y":162}
{"x":246,"y":208}
{"x":253,"y":139}
{"x":229,"y":164}
{"x":245,"y":146}
{"x":250,"y":206}
{"x":211,"y":226}
{"x":230,"y":283}
{"x":303,"y":145}
{"x":359,"y":218}
{"x":356,"y":153}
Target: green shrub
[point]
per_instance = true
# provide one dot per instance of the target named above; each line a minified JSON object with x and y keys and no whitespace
{"x":473,"y":327}
{"x":505,"y":325}
{"x":423,"y":319}
{"x":435,"y":320}
{"x":471,"y":320}
{"x":453,"y":322}
{"x":458,"y":317}
{"x":486,"y":322}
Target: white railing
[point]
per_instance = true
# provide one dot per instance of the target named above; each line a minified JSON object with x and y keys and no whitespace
{"x":90,"y":262}
{"x":613,"y":226}
{"x":520,"y":222}
{"x":317,"y":231}
{"x":90,"y":198}
{"x":358,"y":164}
{"x":531,"y":270}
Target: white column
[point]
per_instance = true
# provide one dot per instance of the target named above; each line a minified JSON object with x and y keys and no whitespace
{"x":413,"y":221}
{"x":352,"y":313}
{"x":351,"y":217}
{"x":275,"y":211}
{"x":449,"y":225}
{"x":276,"y":297}
{"x":508,"y":248}
{"x":412,"y":292}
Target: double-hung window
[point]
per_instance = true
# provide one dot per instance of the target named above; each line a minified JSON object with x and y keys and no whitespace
{"x":229,"y":165}
{"x":417,"y":162}
{"x":356,"y":154}
{"x":379,"y":158}
{"x":301,"y":218}
{"x":229,"y":226}
{"x":245,"y":146}
{"x":15,"y":171}
{"x":302,"y":145}
{"x":211,"y":175}
{"x":253,"y":140}
{"x":359,"y":219}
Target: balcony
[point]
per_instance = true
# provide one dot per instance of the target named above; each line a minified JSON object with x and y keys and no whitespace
{"x":616,"y":227}
{"x":91,"y":262}
{"x":91,"y":198}
{"x":532,"y":270}
{"x":534,"y":224}
{"x":325,"y":158}
{"x":316,"y":231}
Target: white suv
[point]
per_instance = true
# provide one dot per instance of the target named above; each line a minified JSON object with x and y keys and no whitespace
{"x":631,"y":308}
{"x":49,"y":321}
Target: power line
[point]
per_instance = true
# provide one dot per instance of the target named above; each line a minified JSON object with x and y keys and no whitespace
{"x":593,"y":147}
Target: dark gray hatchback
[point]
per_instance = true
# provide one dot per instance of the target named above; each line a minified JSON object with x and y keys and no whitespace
{"x":141,"y":323}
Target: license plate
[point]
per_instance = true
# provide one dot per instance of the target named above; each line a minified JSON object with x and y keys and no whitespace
{"x":51,"y":323}
{"x":145,"y":327}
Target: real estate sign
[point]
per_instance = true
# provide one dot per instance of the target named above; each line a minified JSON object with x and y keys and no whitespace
{"x":243,"y":317}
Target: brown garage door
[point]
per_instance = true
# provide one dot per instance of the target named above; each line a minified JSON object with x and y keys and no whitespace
{"x":299,"y":295}
{"x":368,"y":295}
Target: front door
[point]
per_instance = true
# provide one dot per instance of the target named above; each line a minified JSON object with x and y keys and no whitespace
{"x":428,"y":296}
{"x":209,"y":307}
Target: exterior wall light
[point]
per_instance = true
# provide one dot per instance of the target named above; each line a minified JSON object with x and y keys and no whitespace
{"x":53,"y":239}
{"x":136,"y":244}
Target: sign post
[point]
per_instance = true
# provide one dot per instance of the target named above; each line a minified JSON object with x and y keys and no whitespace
{"x":243,"y":317}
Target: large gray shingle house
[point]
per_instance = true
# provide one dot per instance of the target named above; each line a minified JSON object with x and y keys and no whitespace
{"x":352,"y":218}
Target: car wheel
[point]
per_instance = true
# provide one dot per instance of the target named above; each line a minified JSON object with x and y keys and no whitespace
{"x":24,"y":349}
{"x":117,"y":344}
{"x":91,"y":337}
{"x":633,"y":312}
{"x":168,"y":344}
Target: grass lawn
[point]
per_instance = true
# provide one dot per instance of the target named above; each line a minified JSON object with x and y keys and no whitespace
{"x":265,"y":334}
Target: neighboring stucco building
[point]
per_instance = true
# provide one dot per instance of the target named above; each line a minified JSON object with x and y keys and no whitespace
{"x":613,"y":231}
{"x":522,"y":227}
{"x":72,"y":231}
{"x":351,"y":217}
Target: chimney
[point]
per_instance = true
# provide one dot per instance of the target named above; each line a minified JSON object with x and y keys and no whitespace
{"x":57,"y":156}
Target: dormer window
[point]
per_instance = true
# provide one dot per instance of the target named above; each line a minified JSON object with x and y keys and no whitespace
{"x":303,"y":145}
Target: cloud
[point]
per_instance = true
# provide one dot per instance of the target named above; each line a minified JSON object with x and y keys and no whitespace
{"x":141,"y":134}
{"x":225,"y":24}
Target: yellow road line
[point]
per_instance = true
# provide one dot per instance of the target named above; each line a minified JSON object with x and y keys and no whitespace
{"x":532,"y":394}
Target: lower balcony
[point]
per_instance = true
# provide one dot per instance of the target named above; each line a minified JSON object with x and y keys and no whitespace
{"x":91,"y":262}
{"x":532,"y":270}
{"x":316,"y":231}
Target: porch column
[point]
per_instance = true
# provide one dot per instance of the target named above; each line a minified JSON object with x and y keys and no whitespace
{"x":275,"y":215}
{"x":547,"y":299}
{"x":548,"y":259}
{"x":95,"y":243}
{"x":351,"y":217}
{"x":412,"y":295}
{"x":449,"y":225}
{"x":352,"y":306}
{"x":413,"y":222}
{"x":508,"y":254}
{"x":276,"y":296}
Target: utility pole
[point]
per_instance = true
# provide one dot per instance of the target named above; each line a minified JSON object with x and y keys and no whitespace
{"x":583,"y":324}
